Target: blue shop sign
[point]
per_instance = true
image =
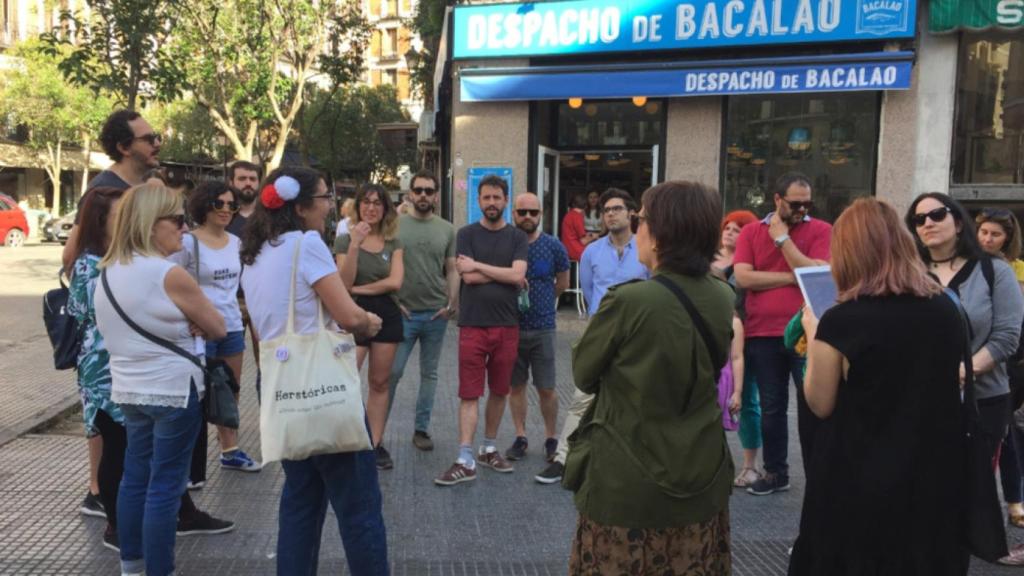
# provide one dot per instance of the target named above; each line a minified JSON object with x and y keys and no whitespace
{"x":474,"y":176}
{"x":597,"y":26}
{"x":832,"y":73}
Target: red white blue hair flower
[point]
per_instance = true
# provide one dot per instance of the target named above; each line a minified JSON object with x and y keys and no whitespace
{"x":282,"y":190}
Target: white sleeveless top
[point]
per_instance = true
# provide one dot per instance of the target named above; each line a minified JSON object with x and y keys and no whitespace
{"x":143,"y":372}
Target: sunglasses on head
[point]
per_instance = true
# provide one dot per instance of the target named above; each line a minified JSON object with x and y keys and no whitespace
{"x":178,"y":219}
{"x":424,"y":190}
{"x":219,"y":204}
{"x":937,"y":215}
{"x":635,"y":220}
{"x":524,"y":212}
{"x":999,"y":213}
{"x":804,"y":205}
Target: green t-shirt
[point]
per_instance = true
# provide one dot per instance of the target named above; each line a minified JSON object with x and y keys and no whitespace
{"x":427,"y":244}
{"x":371,"y":266}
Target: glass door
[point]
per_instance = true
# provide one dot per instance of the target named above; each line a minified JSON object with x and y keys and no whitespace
{"x":547,"y":188}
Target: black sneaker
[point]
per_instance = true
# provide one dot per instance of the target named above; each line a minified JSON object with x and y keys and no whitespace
{"x":518,"y":449}
{"x":421,"y":440}
{"x":384,"y":461}
{"x":203,"y":523}
{"x":770,"y":484}
{"x":552,"y":474}
{"x":550,"y":449}
{"x":91,"y":506}
{"x":110,"y":539}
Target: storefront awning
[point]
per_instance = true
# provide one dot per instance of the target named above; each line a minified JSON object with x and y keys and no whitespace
{"x":830,"y":73}
{"x":954,"y":15}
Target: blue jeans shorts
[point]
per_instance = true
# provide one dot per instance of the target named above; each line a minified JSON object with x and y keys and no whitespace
{"x":233,"y":343}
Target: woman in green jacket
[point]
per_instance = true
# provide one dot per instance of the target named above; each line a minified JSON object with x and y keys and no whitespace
{"x":649,"y":463}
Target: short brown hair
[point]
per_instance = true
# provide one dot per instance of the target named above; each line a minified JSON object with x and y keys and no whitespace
{"x":242,"y":165}
{"x":619,"y":193}
{"x":495,"y":181}
{"x":872,"y":255}
{"x":425,"y":175}
{"x":682,"y":218}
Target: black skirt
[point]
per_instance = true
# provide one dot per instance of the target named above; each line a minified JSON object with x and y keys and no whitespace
{"x":383,"y":305}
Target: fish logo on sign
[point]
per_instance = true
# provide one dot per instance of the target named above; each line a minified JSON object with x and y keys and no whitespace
{"x":882,"y":16}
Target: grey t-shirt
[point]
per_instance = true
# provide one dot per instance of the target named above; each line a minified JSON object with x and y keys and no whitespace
{"x":105,"y":179}
{"x":493,"y":303}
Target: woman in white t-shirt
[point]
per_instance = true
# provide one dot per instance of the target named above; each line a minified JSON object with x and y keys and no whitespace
{"x":294,"y":203}
{"x":212,"y":206}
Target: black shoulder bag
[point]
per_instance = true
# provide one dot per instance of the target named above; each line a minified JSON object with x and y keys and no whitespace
{"x":220,"y":383}
{"x":62,"y":328}
{"x":717,"y":359}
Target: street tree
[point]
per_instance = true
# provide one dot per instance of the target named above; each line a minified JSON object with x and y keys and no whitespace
{"x":427,"y":22}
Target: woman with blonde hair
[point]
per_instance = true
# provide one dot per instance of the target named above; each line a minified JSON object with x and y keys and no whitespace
{"x":883,"y":375}
{"x":157,"y":389}
{"x":369,"y":259}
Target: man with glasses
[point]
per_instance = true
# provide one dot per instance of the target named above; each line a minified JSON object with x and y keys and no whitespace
{"x":607,"y":261}
{"x":428,"y":297}
{"x":766,"y":255}
{"x":547,"y":275}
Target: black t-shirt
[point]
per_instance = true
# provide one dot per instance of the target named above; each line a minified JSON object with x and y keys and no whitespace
{"x":105,"y":179}
{"x":491,"y":304}
{"x":237,"y":225}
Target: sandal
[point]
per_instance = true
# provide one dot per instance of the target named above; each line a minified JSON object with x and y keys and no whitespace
{"x":1014,"y":558}
{"x":746,"y":477}
{"x":1016,"y":519}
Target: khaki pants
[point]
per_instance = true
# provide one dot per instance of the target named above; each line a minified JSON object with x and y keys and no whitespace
{"x":580,"y":402}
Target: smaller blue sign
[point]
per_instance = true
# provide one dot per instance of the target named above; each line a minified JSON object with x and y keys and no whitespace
{"x":473,"y":178}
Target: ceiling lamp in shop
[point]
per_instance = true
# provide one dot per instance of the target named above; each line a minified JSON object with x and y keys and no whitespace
{"x":639,"y":101}
{"x":575,"y":103}
{"x":590,"y":110}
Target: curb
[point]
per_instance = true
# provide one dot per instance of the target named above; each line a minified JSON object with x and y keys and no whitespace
{"x":40,"y":419}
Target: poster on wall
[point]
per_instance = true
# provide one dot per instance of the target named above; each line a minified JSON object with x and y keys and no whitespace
{"x":474,"y":176}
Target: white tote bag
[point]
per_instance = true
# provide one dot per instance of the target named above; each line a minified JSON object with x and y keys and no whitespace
{"x":311,"y":402}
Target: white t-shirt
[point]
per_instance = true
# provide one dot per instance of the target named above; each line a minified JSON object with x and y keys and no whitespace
{"x":219,"y":271}
{"x":266,"y":284}
{"x":342,"y":227}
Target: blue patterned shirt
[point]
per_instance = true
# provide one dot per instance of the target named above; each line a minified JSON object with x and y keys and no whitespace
{"x":547,"y":258}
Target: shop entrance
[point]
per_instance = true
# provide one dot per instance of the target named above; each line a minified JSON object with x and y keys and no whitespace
{"x":562,"y":174}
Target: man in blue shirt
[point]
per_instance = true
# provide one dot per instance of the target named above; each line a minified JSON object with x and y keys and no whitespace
{"x":547,"y":275}
{"x":607,"y":261}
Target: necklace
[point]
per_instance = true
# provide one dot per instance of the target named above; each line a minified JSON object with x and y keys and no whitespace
{"x":935,"y":263}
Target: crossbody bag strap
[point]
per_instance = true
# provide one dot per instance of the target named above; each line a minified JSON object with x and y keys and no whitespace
{"x":142,"y":332}
{"x":195,"y":242}
{"x":717,"y":360}
{"x":970,"y":397}
{"x":291,"y":287}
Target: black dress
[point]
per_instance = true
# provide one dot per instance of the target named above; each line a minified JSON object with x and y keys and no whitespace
{"x":886,"y":479}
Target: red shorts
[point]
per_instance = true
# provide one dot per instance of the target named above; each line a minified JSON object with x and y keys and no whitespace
{"x":486,"y":351}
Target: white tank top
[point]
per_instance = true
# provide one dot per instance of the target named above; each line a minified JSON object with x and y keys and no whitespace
{"x":143,"y":372}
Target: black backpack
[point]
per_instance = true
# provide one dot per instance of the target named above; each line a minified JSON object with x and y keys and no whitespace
{"x":989,"y":272}
{"x":62,"y":328}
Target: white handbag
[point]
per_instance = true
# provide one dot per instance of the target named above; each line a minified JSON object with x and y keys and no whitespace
{"x":312,"y":402}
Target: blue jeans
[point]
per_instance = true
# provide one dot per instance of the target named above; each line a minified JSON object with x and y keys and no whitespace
{"x":430,"y":333}
{"x":349,"y":482}
{"x":772,"y":365}
{"x":156,"y":463}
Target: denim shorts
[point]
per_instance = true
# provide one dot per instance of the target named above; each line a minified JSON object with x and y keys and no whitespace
{"x":233,"y":343}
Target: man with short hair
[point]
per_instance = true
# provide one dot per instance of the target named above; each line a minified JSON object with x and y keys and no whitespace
{"x":606,"y":262}
{"x":547,"y":275}
{"x":428,"y":298}
{"x":766,"y":255}
{"x":244,"y":177}
{"x":492,"y":263}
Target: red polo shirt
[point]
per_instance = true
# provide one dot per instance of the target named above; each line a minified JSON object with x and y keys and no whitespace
{"x":768,"y":311}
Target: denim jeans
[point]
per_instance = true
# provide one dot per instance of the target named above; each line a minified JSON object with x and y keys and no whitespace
{"x":750,"y":411}
{"x":349,"y":482}
{"x":430,"y":333}
{"x":156,"y":463}
{"x":772,"y":365}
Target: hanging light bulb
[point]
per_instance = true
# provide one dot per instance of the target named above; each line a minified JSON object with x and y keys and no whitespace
{"x":575,"y":103}
{"x":639,"y":101}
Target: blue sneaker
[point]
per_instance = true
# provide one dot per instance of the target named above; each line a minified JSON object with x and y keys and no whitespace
{"x":239,"y":460}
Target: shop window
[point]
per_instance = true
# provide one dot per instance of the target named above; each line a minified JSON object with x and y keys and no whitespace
{"x":988,"y":145}
{"x":610,"y":124}
{"x":832,"y":138}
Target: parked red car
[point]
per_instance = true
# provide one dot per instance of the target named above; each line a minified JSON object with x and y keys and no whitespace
{"x":13,"y":224}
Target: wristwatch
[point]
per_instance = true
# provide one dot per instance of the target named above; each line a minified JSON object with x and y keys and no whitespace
{"x":449,"y":309}
{"x":781,"y":240}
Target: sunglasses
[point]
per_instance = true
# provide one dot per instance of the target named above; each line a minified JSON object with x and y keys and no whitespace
{"x":218,"y":204}
{"x":178,"y":219}
{"x":635,"y":220}
{"x":423,"y":190}
{"x":524,"y":212}
{"x":937,"y":215}
{"x":613,"y":209}
{"x":151,"y":138}
{"x":1000,"y":213}
{"x":798,"y":205}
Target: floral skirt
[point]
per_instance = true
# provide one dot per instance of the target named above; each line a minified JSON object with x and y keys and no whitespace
{"x":701,"y":549}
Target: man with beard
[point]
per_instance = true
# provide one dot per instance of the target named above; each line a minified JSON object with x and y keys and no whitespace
{"x":491,"y":260}
{"x":766,"y":255}
{"x":244,"y":177}
{"x":428,"y":296}
{"x":547,"y":275}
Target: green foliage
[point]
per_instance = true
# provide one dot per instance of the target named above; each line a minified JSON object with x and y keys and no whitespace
{"x":428,"y":22}
{"x":189,"y":137}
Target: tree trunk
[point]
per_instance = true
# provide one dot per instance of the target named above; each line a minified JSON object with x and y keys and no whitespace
{"x":86,"y":162}
{"x":53,"y":157}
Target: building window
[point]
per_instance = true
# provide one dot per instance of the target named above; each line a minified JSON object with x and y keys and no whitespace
{"x":988,"y":145}
{"x":832,"y":138}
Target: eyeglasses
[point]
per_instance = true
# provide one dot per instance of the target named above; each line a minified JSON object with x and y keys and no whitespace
{"x":151,"y":138}
{"x":635,"y":220}
{"x":798,"y":205}
{"x":219,"y":204}
{"x":424,"y":190}
{"x":178,"y":219}
{"x":524,"y":212}
{"x":613,"y":209}
{"x":937,"y":215}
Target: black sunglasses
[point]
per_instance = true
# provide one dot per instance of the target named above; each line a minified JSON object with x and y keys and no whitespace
{"x":635,"y":220}
{"x":424,"y":190}
{"x":804,"y":205}
{"x":219,"y":204}
{"x":1001,"y":213}
{"x":937,"y":215}
{"x":151,"y":138}
{"x":178,"y":219}
{"x":524,"y":212}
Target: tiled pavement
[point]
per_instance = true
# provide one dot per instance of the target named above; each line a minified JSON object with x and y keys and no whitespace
{"x":498,"y":525}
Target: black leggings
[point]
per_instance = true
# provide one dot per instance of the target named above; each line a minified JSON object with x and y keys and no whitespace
{"x":115,"y":443}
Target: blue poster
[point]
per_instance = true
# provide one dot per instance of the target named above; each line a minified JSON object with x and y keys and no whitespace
{"x":473,"y":178}
{"x":600,"y":26}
